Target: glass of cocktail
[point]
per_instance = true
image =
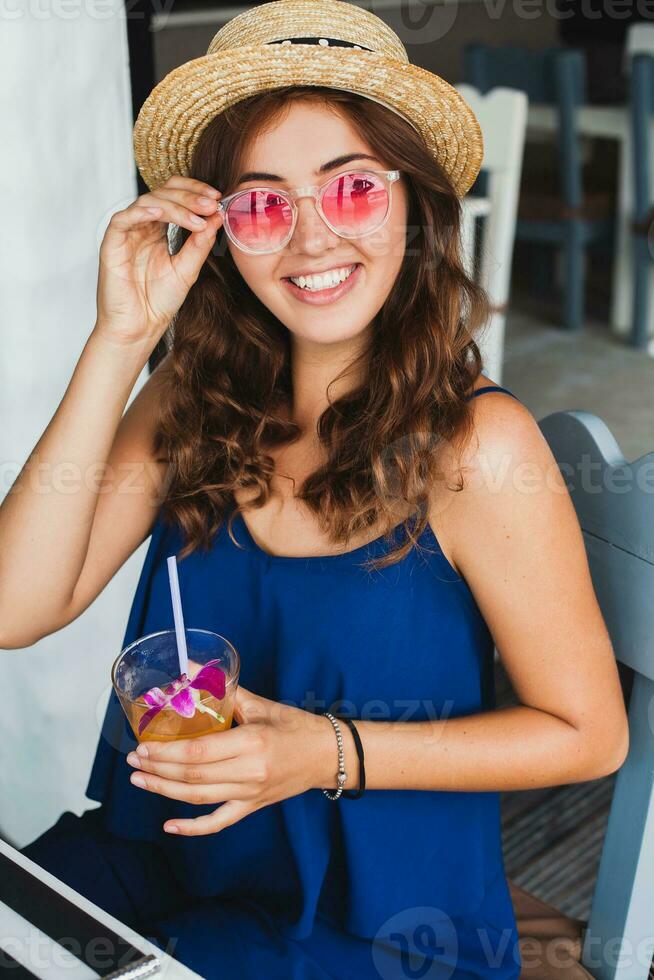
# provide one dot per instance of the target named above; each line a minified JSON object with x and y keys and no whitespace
{"x":163,"y":704}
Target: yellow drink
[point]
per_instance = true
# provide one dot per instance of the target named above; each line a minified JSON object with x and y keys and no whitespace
{"x":168,"y":725}
{"x":150,"y":667}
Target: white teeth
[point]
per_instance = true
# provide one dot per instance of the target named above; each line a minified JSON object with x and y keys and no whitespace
{"x":327,"y":280}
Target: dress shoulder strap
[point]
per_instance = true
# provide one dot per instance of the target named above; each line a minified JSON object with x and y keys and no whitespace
{"x":480,"y":391}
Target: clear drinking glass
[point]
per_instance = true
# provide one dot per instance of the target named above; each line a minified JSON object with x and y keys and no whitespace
{"x":152,"y":662}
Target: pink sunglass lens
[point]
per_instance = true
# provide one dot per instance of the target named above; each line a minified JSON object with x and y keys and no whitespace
{"x":260,"y":219}
{"x":355,"y":203}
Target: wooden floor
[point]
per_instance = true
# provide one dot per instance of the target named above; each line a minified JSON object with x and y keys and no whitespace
{"x":553,"y":837}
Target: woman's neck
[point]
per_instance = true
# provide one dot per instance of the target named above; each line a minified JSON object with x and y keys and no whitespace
{"x":321,"y":374}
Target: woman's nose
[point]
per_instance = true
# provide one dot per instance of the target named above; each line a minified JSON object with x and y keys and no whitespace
{"x":311,"y":233}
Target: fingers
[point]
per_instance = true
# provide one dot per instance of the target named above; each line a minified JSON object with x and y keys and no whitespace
{"x":199,"y":795}
{"x":190,"y":184}
{"x":202,"y":201}
{"x":190,"y":258}
{"x":248,"y":769}
{"x":196,"y":751}
{"x":211,"y":823}
{"x":134,"y":215}
{"x":173,"y":212}
{"x":182,"y":201}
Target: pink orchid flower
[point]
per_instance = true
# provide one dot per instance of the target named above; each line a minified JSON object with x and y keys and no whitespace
{"x":183,"y":695}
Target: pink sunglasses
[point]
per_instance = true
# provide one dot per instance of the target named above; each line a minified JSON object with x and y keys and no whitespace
{"x":261,"y":220}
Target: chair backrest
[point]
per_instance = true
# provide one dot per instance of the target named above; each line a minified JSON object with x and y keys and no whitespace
{"x":614,"y":501}
{"x":641,"y":107}
{"x":550,"y":76}
{"x":532,"y":70}
{"x":502,"y":115}
{"x":639,"y":40}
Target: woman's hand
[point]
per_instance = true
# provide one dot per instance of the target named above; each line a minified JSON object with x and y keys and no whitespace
{"x":277,"y":751}
{"x":140,"y":284}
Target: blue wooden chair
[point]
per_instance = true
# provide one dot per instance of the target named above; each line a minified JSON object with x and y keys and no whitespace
{"x":642,"y":105}
{"x":561,"y":208}
{"x":616,"y":515}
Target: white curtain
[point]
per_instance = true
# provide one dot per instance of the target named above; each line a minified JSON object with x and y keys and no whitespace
{"x":66,"y":167}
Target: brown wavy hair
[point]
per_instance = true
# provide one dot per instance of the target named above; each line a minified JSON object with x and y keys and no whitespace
{"x":230,"y":358}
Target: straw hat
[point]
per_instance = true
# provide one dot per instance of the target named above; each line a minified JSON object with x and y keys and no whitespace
{"x":303,"y":42}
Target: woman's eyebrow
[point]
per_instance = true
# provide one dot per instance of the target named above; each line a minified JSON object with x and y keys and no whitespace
{"x":330,"y":165}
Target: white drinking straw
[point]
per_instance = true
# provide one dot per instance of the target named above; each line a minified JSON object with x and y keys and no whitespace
{"x":177,"y":613}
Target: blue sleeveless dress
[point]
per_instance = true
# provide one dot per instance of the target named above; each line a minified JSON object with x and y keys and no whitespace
{"x":398,"y":883}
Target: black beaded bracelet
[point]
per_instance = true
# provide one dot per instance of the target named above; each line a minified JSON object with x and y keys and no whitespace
{"x":353,"y":794}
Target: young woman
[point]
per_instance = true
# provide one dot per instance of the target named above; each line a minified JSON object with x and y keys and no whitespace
{"x":356,"y":506}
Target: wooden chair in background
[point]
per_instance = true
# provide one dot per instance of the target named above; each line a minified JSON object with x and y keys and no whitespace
{"x":560,"y":207}
{"x":639,"y":40}
{"x":502,"y":115}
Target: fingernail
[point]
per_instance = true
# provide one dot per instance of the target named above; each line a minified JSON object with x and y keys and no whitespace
{"x":205,"y":200}
{"x":142,"y":750}
{"x":171,"y":829}
{"x":138,"y":779}
{"x":133,"y":759}
{"x":197,"y":220}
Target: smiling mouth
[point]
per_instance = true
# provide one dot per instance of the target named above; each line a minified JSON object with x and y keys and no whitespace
{"x":321,"y":283}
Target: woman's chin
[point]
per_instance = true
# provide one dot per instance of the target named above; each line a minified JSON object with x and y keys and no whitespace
{"x":327,"y":330}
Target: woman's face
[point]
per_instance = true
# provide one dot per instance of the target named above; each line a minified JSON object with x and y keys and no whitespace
{"x":297,"y":150}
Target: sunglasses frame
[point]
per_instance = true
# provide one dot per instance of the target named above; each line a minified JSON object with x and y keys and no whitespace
{"x":316,"y":191}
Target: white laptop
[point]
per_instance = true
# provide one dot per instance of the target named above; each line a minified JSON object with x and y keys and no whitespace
{"x":51,"y":932}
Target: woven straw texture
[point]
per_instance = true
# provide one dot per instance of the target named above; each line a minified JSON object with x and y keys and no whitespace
{"x":309,"y":18}
{"x":240,"y":63}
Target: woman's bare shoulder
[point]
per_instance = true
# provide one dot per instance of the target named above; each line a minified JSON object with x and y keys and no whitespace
{"x":501,"y":425}
{"x":484,"y":468}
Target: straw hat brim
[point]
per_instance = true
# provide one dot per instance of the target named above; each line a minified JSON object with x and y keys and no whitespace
{"x":179,"y":108}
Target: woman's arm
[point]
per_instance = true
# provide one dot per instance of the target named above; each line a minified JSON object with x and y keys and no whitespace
{"x":514,"y":535}
{"x":89,"y":492}
{"x":89,"y":474}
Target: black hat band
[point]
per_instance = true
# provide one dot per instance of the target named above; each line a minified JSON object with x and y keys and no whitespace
{"x":331,"y":42}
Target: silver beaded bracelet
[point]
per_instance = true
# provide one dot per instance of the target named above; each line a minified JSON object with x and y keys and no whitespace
{"x":342,"y":775}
